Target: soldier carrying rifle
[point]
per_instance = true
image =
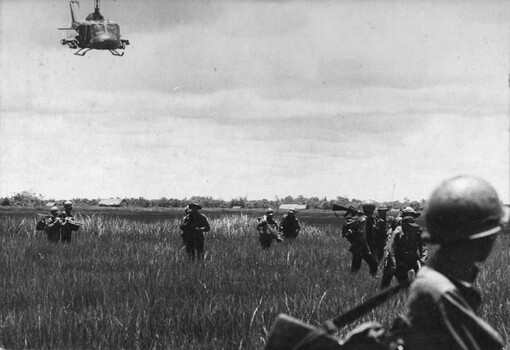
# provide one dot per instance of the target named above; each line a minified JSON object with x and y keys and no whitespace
{"x":359,"y":230}
{"x":268,"y":229}
{"x":405,"y":251}
{"x":51,"y":224}
{"x":69,"y":224}
{"x":193,"y":226}
{"x":289,"y":224}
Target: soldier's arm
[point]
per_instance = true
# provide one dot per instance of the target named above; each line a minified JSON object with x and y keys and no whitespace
{"x":422,"y":249}
{"x":184,"y":223}
{"x":205,"y":224}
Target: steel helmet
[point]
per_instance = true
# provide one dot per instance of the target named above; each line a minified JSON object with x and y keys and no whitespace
{"x":269,"y":211}
{"x":54,"y":209}
{"x":368,"y":207}
{"x":463,"y":208}
{"x":409,"y":211}
{"x":68,"y":204}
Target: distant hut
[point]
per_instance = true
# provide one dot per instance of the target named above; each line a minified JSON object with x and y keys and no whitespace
{"x":113,"y":202}
{"x":236,"y":207}
{"x":50,"y":204}
{"x":293,"y":206}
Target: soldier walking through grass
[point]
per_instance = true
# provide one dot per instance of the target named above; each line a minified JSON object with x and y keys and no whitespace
{"x":66,"y":216}
{"x":406,"y":251}
{"x":289,"y":225}
{"x":53,"y":226}
{"x":268,"y":229}
{"x":463,"y":216}
{"x":362,"y":229}
{"x":193,"y":226}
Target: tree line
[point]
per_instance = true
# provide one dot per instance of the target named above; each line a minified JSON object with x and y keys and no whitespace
{"x":30,"y":199}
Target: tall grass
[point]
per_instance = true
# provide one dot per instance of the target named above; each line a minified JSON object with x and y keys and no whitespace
{"x":128,"y":284}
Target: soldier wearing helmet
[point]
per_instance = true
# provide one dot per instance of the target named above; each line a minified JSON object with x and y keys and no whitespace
{"x":363,"y":227}
{"x":406,"y":251}
{"x":193,"y":226}
{"x":462,"y":216}
{"x":268,"y":229}
{"x":53,"y":226}
{"x":289,"y":224}
{"x":66,"y":216}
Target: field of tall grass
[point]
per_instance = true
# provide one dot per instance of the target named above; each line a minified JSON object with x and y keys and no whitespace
{"x":126,"y":283}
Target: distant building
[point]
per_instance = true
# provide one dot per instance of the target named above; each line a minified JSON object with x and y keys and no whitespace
{"x":113,"y":202}
{"x":236,"y":207}
{"x":293,"y":206}
{"x":50,"y":204}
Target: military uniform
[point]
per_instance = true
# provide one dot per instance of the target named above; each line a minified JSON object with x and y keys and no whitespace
{"x":441,"y":315}
{"x":406,"y":251}
{"x":289,"y":225}
{"x":362,"y":228}
{"x":54,"y":228}
{"x":193,"y":226}
{"x":67,"y":229}
{"x":268,"y":231}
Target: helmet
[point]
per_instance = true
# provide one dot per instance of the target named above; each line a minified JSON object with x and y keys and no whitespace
{"x":68,"y":204}
{"x":292,"y":211}
{"x":269,"y":211}
{"x":194,"y":206}
{"x":54,"y":209}
{"x":187,"y":210}
{"x":409,"y":211}
{"x":382,"y":208}
{"x":368,"y":207}
{"x":463,"y":208}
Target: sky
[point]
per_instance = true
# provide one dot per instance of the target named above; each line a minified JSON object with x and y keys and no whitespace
{"x":373,"y":100}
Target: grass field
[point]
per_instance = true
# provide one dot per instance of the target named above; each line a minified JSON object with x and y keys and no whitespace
{"x":124,"y":282}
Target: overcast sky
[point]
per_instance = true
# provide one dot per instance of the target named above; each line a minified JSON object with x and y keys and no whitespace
{"x":256,"y":98}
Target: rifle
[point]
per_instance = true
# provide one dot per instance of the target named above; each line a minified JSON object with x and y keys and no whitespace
{"x":350,"y":210}
{"x":290,"y":333}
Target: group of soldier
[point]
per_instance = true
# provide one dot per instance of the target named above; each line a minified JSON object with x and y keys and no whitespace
{"x":463,"y":216}
{"x":382,"y":241}
{"x":194,"y":224}
{"x":59,"y":226}
{"x":269,"y":230}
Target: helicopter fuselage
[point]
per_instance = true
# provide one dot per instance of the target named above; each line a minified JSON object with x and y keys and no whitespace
{"x":95,"y":33}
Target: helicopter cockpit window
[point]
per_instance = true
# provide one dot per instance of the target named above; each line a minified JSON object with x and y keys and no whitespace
{"x":97,"y":29}
{"x":113,"y":29}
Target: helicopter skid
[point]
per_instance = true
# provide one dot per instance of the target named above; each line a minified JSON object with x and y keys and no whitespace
{"x":115,"y":53}
{"x":82,"y":52}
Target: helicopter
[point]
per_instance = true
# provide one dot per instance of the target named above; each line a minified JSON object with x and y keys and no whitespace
{"x":95,"y":33}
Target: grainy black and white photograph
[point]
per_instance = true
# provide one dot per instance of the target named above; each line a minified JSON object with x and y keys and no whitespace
{"x":254,"y":174}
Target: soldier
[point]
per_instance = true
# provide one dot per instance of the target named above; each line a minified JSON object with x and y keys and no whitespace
{"x":406,"y":250}
{"x":289,"y":224}
{"x":380,"y":236}
{"x":362,"y":230}
{"x":268,"y":229}
{"x":187,"y":210}
{"x":193,"y":225}
{"x":54,"y":226}
{"x":463,"y":216}
{"x":65,"y":216}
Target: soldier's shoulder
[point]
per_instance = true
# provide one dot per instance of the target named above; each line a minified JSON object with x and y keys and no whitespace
{"x":431,"y":282}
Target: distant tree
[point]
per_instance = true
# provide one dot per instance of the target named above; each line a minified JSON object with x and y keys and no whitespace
{"x":27,"y":198}
{"x":6,"y":202}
